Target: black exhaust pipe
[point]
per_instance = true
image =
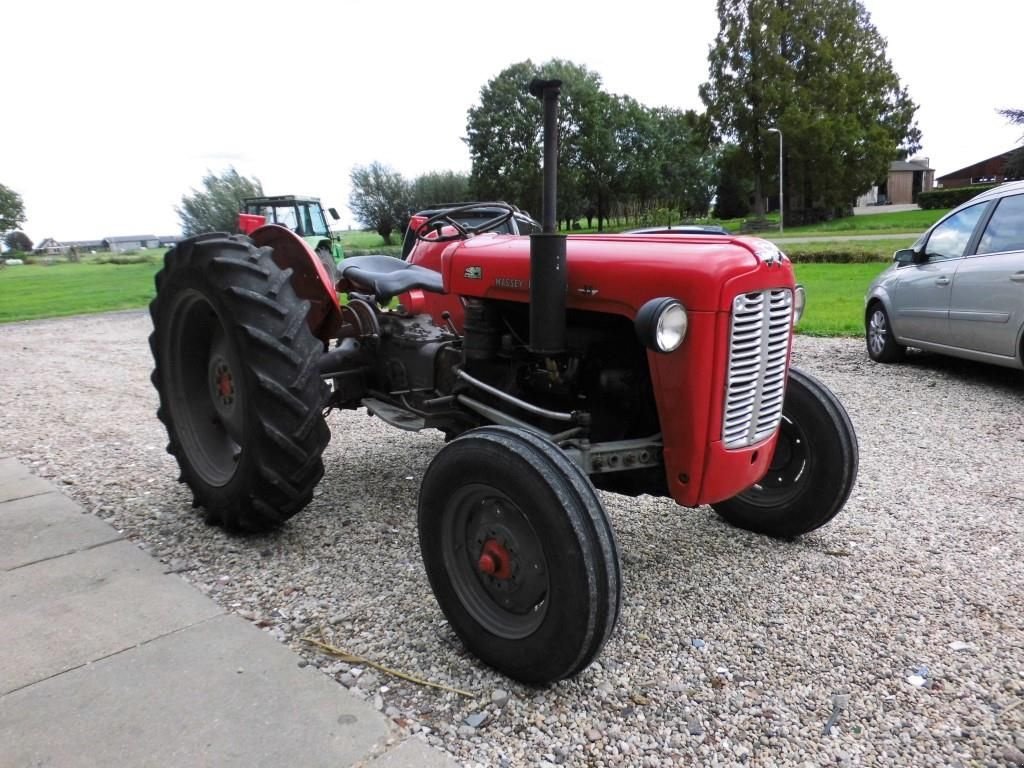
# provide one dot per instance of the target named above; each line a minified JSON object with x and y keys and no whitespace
{"x":548,"y":282}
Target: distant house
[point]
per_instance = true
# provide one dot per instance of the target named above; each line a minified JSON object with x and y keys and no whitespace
{"x":905,"y":181}
{"x":990,"y":171}
{"x":51,"y":246}
{"x":123,"y":243}
{"x":169,"y":241}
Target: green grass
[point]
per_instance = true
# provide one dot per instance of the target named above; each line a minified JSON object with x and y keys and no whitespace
{"x":835,"y":297}
{"x":899,"y":221}
{"x":31,"y":292}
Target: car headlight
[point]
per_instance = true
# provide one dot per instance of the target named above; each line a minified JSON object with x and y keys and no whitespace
{"x":799,"y":301}
{"x":661,"y":324}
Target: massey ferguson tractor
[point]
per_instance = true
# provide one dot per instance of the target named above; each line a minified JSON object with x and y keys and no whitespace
{"x":553,"y":366}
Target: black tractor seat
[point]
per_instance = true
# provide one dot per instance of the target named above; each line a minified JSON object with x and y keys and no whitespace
{"x":386,"y":276}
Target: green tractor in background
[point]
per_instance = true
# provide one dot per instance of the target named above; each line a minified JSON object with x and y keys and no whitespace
{"x":302,"y":215}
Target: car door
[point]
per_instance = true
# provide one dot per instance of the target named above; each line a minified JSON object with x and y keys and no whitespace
{"x":986,"y":308}
{"x":921,"y":297}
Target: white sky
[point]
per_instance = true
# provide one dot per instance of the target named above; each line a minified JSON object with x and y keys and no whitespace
{"x":114,"y":110}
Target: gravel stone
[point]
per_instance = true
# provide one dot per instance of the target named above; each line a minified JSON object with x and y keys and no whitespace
{"x":928,"y":552}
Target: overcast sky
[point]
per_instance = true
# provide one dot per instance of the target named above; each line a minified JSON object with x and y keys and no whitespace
{"x":113,"y":110}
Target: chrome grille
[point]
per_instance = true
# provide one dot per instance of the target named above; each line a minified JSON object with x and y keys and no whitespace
{"x":756,"y":380}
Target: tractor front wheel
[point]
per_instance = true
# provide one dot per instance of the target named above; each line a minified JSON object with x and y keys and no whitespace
{"x":519,"y":553}
{"x":812,"y":470}
{"x":236,"y":370}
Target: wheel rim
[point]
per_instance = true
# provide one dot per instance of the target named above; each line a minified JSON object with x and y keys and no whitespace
{"x":205,"y":397}
{"x":495,"y":561}
{"x":789,"y":467}
{"x":878,"y":332}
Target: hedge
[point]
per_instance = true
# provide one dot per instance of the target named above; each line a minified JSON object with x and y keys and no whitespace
{"x":950,"y":198}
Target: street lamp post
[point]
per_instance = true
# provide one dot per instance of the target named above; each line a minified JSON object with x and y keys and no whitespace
{"x":781,"y":206}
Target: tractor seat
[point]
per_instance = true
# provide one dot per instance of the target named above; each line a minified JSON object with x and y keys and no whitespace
{"x":387,"y":276}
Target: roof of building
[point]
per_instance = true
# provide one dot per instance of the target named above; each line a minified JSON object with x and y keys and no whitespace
{"x":970,"y":171}
{"x":129,"y":238}
{"x":909,"y":165}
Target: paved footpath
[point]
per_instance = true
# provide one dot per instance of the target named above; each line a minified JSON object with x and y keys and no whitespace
{"x":107,"y":660}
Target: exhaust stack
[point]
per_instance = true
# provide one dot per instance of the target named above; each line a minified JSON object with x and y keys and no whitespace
{"x":548,"y":282}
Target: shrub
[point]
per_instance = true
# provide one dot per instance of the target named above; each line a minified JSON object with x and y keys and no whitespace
{"x":950,"y":198}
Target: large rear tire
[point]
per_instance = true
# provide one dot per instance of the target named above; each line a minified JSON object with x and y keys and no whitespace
{"x":812,"y":471}
{"x":519,"y":553}
{"x":236,"y":370}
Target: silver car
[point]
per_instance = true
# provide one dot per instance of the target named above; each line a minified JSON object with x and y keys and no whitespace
{"x":959,"y":290}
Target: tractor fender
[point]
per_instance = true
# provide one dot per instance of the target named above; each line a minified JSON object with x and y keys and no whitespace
{"x":309,"y":277}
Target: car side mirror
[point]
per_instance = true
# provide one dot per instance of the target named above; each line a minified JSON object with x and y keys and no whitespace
{"x":334,"y":213}
{"x":905,"y":256}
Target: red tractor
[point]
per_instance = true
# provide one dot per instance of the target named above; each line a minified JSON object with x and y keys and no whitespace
{"x":640,"y":363}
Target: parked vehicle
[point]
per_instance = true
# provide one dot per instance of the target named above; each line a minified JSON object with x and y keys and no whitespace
{"x":302,"y":215}
{"x":550,"y":369}
{"x":959,"y":290}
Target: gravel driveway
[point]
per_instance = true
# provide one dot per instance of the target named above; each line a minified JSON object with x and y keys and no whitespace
{"x":731,"y":648}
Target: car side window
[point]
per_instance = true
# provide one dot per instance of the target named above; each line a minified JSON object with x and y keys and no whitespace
{"x":949,"y":239}
{"x":1005,"y":230}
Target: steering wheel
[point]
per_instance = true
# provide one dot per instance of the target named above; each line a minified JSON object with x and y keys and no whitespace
{"x":462,"y":231}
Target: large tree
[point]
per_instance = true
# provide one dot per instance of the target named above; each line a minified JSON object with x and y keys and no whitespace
{"x":215,"y":209}
{"x":379,"y":198}
{"x":1015,"y":164}
{"x":12,"y":209}
{"x":17,"y":240}
{"x":818,"y":71}
{"x":437,"y":187}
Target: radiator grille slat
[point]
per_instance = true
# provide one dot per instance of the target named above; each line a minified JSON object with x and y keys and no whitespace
{"x":756,"y":379}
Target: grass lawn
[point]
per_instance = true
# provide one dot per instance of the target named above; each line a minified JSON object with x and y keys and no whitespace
{"x":31,"y":292}
{"x":899,"y":221}
{"x":880,"y":250}
{"x":835,"y":297}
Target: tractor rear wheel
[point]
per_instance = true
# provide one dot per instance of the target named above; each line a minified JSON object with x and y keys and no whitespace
{"x":236,"y":370}
{"x":519,"y":553}
{"x":812,"y":470}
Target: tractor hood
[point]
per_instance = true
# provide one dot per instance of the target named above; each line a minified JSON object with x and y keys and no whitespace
{"x":620,"y":272}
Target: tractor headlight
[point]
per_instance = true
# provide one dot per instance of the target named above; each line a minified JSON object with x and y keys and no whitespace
{"x":799,"y":301}
{"x":661,"y":324}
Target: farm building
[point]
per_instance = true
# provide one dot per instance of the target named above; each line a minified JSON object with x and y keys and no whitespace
{"x":905,"y":181}
{"x":990,"y":171}
{"x":123,"y":243}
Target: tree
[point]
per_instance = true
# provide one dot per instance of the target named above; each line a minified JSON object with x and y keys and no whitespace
{"x":438,"y":187}
{"x":735,"y":183}
{"x":12,"y":209}
{"x":1015,"y":163}
{"x":17,"y":240}
{"x":818,"y":71}
{"x":503,"y":135}
{"x":379,"y":198}
{"x":216,"y":208}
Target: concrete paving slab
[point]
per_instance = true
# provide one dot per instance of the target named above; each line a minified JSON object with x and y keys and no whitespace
{"x":11,"y":469}
{"x":413,"y":753}
{"x":219,"y":694}
{"x":20,"y":485}
{"x":59,"y":614}
{"x":45,"y":526}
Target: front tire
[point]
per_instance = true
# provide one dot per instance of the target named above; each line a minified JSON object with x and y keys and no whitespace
{"x":236,"y":371}
{"x":882,"y":347}
{"x":812,"y":471}
{"x":520,"y":554}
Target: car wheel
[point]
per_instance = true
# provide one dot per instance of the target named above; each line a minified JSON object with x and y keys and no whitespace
{"x":882,"y":347}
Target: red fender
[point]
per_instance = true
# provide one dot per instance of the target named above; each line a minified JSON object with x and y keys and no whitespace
{"x":309,"y":277}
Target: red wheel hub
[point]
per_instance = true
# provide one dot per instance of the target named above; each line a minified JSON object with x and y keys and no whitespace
{"x":495,"y":560}
{"x":225,"y":385}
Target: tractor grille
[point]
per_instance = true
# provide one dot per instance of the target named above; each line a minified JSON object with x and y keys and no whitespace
{"x":756,"y":381}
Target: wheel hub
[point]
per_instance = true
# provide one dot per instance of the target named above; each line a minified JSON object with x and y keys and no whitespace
{"x":495,"y":561}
